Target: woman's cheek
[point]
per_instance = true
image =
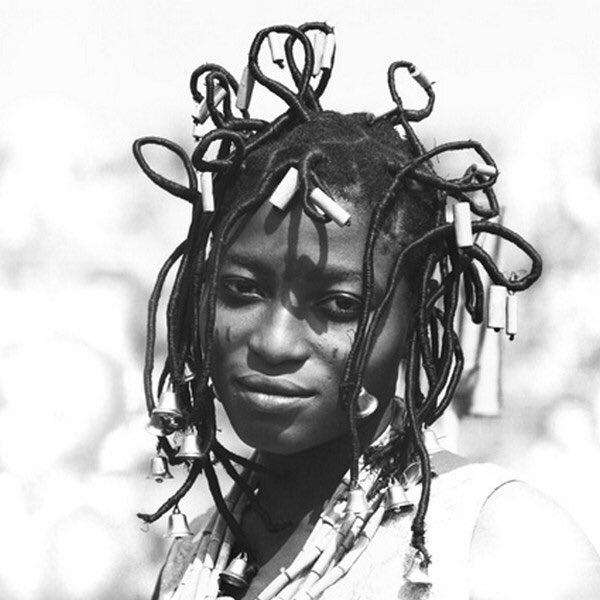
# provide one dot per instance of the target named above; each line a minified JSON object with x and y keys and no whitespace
{"x":334,"y":350}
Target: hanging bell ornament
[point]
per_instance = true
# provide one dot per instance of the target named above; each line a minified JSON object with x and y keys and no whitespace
{"x":159,"y":469}
{"x":356,"y":503}
{"x":366,"y":404}
{"x":432,"y":443}
{"x":236,"y":574}
{"x":396,"y":499}
{"x":161,"y":426}
{"x":178,"y":525}
{"x":418,"y":571}
{"x":190,"y":448}
{"x":167,"y":405}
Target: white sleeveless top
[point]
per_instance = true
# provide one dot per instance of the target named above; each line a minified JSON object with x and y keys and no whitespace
{"x":457,"y":498}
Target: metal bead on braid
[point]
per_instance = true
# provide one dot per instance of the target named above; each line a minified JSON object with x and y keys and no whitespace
{"x":440,"y":258}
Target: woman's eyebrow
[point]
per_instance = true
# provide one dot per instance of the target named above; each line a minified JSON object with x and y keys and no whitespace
{"x":252,"y":263}
{"x":336,"y":274}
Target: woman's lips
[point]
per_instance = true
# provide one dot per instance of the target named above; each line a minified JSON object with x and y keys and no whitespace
{"x":272,"y":395}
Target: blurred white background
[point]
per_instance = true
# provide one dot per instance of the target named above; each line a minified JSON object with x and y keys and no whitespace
{"x":83,"y":233}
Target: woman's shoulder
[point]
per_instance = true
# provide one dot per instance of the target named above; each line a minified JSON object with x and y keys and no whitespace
{"x":525,"y":546}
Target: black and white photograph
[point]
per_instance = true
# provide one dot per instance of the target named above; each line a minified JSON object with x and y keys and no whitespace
{"x":299,"y":301}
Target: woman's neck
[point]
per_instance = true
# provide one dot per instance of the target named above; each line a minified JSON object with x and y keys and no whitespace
{"x":297,"y":483}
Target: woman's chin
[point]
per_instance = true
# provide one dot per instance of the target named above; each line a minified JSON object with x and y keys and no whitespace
{"x":271,"y":443}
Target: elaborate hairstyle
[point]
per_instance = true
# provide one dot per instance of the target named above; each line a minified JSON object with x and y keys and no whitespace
{"x":393,"y":175}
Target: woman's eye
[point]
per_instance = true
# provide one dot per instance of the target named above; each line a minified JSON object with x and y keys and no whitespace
{"x":341,"y":307}
{"x":240,"y":289}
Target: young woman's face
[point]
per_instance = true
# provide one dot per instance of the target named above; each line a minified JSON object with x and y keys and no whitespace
{"x":288,"y":302}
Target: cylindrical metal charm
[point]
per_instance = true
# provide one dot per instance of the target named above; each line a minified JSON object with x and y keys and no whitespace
{"x":245,"y":90}
{"x":330,"y":207}
{"x":203,"y":112}
{"x":197,"y":131}
{"x":449,"y":212}
{"x":286,"y":189}
{"x":318,"y":44}
{"x":496,"y":307}
{"x":421,"y":78}
{"x":462,"y":224}
{"x":276,"y":47}
{"x":511,"y":315}
{"x":206,"y":186}
{"x":328,"y":51}
{"x":484,"y":169}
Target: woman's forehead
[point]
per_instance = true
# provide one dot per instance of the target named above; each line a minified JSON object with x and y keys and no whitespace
{"x":297,"y":246}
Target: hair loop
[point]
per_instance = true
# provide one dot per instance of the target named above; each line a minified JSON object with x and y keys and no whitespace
{"x":296,"y":101}
{"x":189,"y":192}
{"x":401,"y":112}
{"x":221,"y":163}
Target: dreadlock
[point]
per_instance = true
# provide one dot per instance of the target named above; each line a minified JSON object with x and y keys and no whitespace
{"x":362,"y":158}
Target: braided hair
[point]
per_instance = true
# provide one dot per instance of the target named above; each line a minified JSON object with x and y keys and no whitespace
{"x":363,"y":158}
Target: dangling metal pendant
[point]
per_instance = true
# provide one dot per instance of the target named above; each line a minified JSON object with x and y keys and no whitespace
{"x":496,"y":307}
{"x":236,"y":574}
{"x":418,"y":572}
{"x":190,"y":448}
{"x":245,"y":90}
{"x":396,"y":499}
{"x":159,"y":469}
{"x":276,"y":48}
{"x":511,"y":315}
{"x":178,"y":525}
{"x":167,"y":405}
{"x":356,"y":503}
{"x":161,"y":426}
{"x":166,"y":416}
{"x":366,"y":404}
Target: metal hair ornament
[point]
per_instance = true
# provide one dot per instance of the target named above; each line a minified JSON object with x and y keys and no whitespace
{"x":159,"y":469}
{"x":178,"y":525}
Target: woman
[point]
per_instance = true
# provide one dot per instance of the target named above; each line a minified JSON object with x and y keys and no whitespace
{"x":319,"y":258}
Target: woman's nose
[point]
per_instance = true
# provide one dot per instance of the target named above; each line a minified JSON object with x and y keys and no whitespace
{"x":280,"y":337}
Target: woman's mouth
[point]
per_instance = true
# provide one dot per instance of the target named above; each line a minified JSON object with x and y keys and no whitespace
{"x":272,"y":395}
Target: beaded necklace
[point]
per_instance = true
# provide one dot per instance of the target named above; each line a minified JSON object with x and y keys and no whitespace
{"x":343,"y":531}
